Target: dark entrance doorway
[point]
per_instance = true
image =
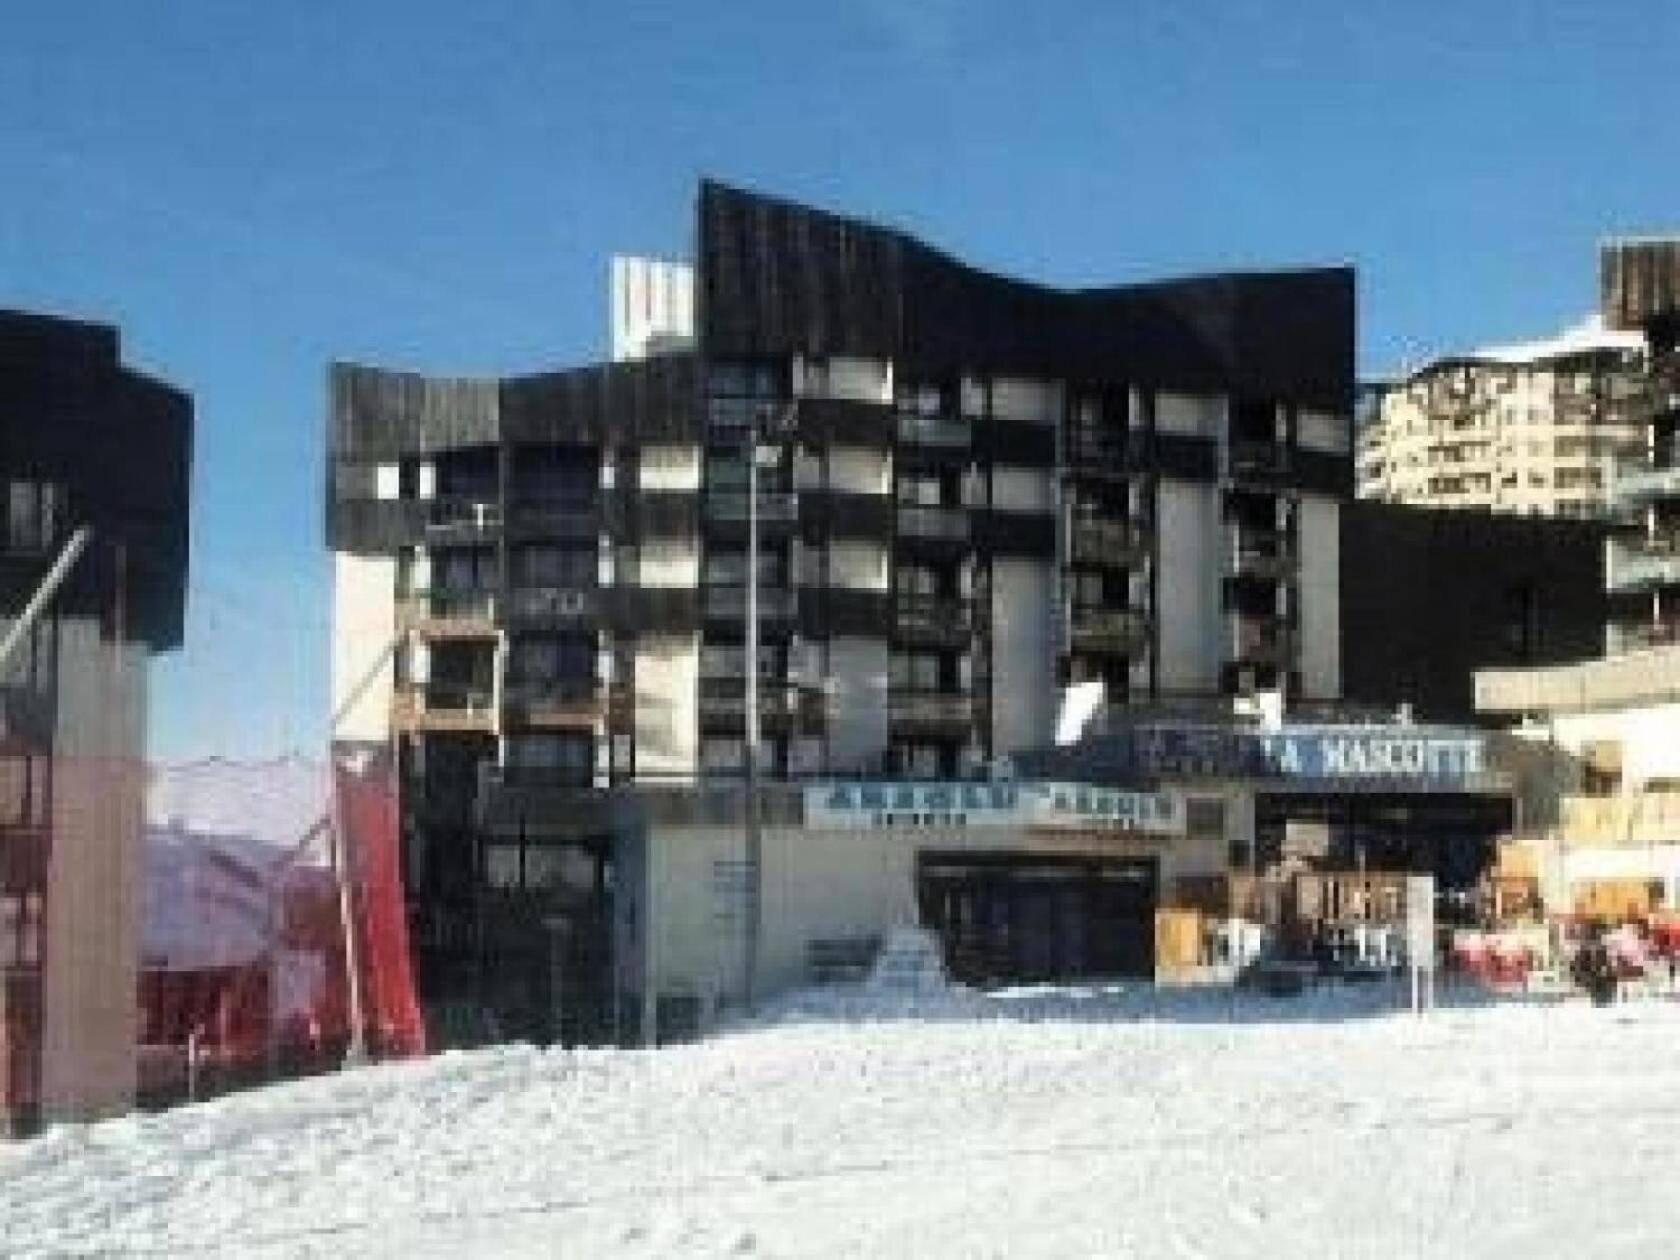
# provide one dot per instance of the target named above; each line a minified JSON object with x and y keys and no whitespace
{"x":1013,"y":917}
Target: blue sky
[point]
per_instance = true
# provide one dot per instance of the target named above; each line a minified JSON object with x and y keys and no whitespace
{"x":251,"y":189}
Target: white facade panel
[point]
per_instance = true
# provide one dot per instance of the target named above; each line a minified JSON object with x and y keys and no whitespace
{"x":1193,"y":415}
{"x":1024,"y":694}
{"x":858,"y":470}
{"x":1324,"y":431}
{"x":652,"y":306}
{"x":668,"y":468}
{"x":1036,"y":402}
{"x":669,"y":562}
{"x":667,"y":683}
{"x":1320,"y":539}
{"x":364,"y":626}
{"x":857,"y":700}
{"x":857,"y":565}
{"x":1190,"y":623}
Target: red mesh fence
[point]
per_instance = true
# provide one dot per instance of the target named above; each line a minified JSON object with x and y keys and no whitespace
{"x":248,"y":923}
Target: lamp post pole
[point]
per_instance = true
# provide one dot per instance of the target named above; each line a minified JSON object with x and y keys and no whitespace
{"x":754,"y":840}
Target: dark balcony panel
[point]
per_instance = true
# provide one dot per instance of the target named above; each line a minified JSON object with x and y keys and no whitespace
{"x":557,"y":606}
{"x":651,"y":609}
{"x":1006,"y":533}
{"x":27,"y":715}
{"x":1016,"y":442}
{"x":571,"y":522}
{"x":778,"y":606}
{"x":783,"y":708}
{"x":1108,"y":632}
{"x":938,"y":527}
{"x":461,"y":520}
{"x":935,"y":713}
{"x":375,"y":526}
{"x":950,"y":436}
{"x":835,"y":612}
{"x":1107,"y":543}
{"x":631,"y":515}
{"x":825,"y":514}
{"x":843,"y":422}
{"x":540,"y":804}
{"x":1185,"y":457}
{"x":925,"y":620}
{"x":1322,"y":472}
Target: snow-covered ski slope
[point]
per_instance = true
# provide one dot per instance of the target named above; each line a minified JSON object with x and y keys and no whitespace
{"x":1055,"y":1123}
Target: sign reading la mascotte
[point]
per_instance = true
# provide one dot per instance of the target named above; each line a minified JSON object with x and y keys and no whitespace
{"x":1025,"y":804}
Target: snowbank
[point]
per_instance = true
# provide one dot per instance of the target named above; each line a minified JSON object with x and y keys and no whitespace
{"x":1089,"y":1121}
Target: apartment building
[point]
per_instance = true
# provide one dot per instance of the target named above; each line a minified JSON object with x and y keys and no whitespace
{"x":1640,"y":295}
{"x":1539,"y":428}
{"x":971,"y":489}
{"x":85,"y":442}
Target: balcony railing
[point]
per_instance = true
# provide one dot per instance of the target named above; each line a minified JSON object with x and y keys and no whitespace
{"x":551,"y":603}
{"x":930,"y":708}
{"x":560,"y":519}
{"x":1263,"y":642}
{"x":945,"y":524}
{"x":775,"y":603}
{"x":1609,"y":821}
{"x":1636,"y":565}
{"x":1261,"y":553}
{"x":453,"y":614}
{"x":1262,"y":459}
{"x":727,"y":698}
{"x":932,"y":618}
{"x":774,"y":506}
{"x":445,"y":706}
{"x":1118,"y":630}
{"x":463,"y":517}
{"x":1105,"y":542}
{"x":940,"y":431}
{"x":1649,"y":483}
{"x":562,"y":701}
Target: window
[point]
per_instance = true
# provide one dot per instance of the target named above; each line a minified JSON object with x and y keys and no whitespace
{"x":552,"y":756}
{"x":466,"y":569}
{"x":916,"y":671}
{"x":551,"y":658}
{"x":32,"y":515}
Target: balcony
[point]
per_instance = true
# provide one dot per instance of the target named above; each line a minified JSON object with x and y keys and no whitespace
{"x":933,"y":524}
{"x":941,"y":711}
{"x":931,"y":620}
{"x":1642,"y":565}
{"x":551,"y":604}
{"x":444,"y":707}
{"x":780,"y":704}
{"x":1262,"y":642}
{"x":537,"y":518}
{"x":453,"y":615}
{"x":729,"y":603}
{"x":462,"y":519}
{"x":775,"y":507}
{"x":942,"y":432}
{"x":1635,"y":821}
{"x":1262,"y":461}
{"x":1261,"y":553}
{"x":1110,"y":631}
{"x":1097,"y":451}
{"x":561,"y":703}
{"x":1649,"y":483}
{"x":1109,"y":543}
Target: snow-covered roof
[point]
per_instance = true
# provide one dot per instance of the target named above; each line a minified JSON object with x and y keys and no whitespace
{"x":1588,"y":337}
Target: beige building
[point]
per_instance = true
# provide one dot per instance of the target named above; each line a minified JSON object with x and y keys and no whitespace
{"x":1539,"y":428}
{"x":1600,"y":822}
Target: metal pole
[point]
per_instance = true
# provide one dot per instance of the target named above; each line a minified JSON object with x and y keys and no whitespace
{"x":48,"y":588}
{"x":356,"y":1052}
{"x":755,"y":855}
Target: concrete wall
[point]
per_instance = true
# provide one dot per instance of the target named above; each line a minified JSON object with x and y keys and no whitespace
{"x":1190,"y":640}
{"x":1195,"y":415}
{"x":1022,"y":489}
{"x":818,"y":884}
{"x":364,"y":623}
{"x":91,"y":946}
{"x":1319,"y":584}
{"x":667,"y":682}
{"x":1023,"y":654}
{"x":857,"y":566}
{"x":1036,"y":402}
{"x":652,"y":304}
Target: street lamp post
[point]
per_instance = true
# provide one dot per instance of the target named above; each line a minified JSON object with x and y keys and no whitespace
{"x":754,"y":838}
